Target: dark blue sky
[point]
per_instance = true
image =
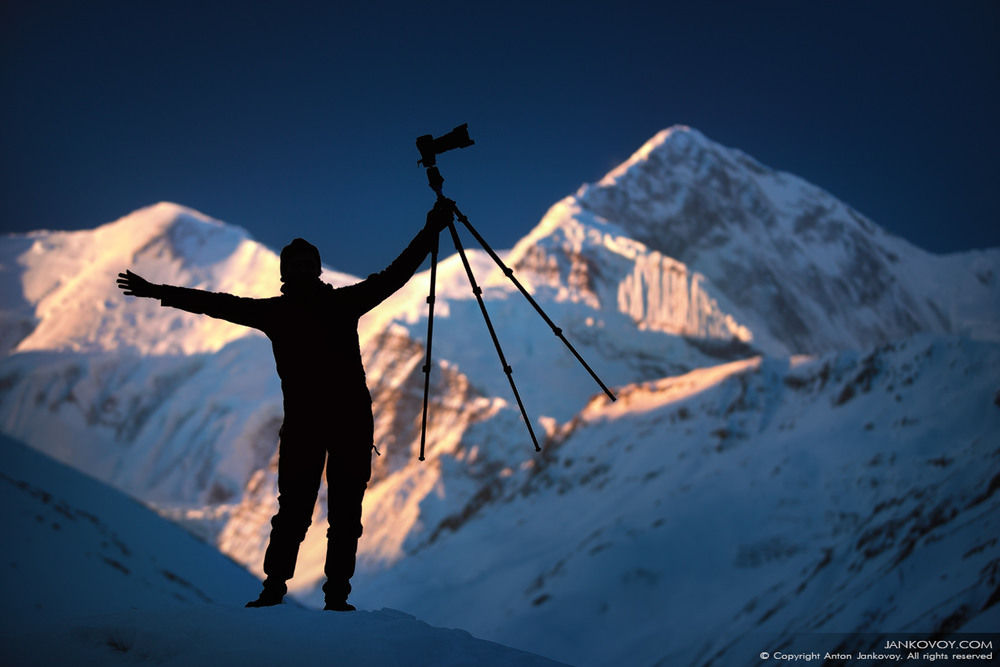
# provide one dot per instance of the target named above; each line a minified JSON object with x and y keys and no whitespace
{"x":299,"y":119}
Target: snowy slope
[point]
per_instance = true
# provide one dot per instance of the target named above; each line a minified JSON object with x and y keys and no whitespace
{"x":74,"y":547}
{"x":93,"y":578}
{"x":212,"y":635}
{"x":760,"y":499}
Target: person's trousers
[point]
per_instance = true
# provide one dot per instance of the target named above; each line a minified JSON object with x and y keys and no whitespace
{"x":344,"y":447}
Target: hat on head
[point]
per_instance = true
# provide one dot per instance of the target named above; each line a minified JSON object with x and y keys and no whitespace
{"x":300,"y":247}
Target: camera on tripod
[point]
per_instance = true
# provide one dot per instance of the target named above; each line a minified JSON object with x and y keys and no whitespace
{"x":430,"y":147}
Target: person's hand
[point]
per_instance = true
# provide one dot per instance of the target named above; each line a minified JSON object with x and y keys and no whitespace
{"x":441,"y":215}
{"x":135,"y":285}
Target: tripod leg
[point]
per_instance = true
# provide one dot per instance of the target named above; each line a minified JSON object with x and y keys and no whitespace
{"x":510,"y":274}
{"x":489,"y":325}
{"x":430,"y":335}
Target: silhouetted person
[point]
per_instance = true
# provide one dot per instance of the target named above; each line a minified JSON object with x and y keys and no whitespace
{"x":313,"y":329}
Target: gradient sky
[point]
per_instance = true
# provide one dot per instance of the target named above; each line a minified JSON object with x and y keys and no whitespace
{"x":299,"y":119}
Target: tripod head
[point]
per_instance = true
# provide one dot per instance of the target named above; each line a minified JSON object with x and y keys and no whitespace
{"x":430,"y":148}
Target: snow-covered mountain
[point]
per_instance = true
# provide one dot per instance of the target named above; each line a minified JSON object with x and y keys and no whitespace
{"x":93,"y":578}
{"x":716,"y":247}
{"x":688,"y":277}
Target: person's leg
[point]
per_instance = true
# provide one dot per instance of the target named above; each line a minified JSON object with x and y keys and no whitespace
{"x":300,"y":469}
{"x":348,"y":469}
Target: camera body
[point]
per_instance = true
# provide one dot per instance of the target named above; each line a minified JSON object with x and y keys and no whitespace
{"x":430,"y":147}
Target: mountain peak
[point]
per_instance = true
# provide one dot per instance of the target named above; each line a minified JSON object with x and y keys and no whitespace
{"x":70,"y":300}
{"x":185,"y":232}
{"x":157,"y":219}
{"x":797,"y":265}
{"x":680,"y":138}
{"x":173,"y":211}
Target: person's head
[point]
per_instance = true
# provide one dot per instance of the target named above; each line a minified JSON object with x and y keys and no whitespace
{"x":299,"y":260}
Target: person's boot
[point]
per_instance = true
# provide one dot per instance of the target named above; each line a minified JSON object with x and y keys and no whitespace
{"x":339,"y":568}
{"x":273,"y":593}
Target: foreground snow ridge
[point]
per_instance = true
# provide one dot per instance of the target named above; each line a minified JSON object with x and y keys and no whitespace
{"x":214,"y":635}
{"x":92,"y":577}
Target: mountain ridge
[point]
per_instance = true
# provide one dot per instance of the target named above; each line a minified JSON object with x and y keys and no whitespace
{"x":777,"y":245}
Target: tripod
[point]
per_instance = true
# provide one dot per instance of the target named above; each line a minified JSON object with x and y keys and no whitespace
{"x":429,"y":148}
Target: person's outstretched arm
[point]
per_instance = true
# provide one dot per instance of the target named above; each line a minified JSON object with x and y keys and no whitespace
{"x":379,"y":286}
{"x":248,"y":312}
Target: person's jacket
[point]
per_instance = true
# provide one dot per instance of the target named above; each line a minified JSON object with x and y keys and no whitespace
{"x":313,"y":328}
